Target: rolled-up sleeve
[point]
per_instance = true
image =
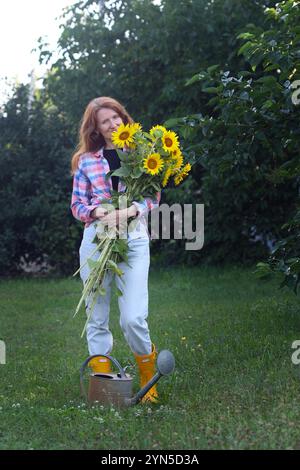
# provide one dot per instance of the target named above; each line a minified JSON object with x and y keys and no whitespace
{"x":80,"y":203}
{"x":147,"y":205}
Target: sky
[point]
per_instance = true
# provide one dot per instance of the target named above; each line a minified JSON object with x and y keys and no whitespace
{"x":22,"y":22}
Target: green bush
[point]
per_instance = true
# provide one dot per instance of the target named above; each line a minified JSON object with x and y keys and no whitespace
{"x":36,"y":185}
{"x":247,"y":145}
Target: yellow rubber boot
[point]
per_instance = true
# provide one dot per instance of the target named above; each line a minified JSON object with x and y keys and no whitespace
{"x":100,"y":365}
{"x":146,"y":365}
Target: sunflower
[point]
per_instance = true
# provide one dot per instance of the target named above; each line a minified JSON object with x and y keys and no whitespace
{"x":170,"y":141}
{"x":161,"y":130}
{"x":136,"y":127}
{"x":166,"y":177}
{"x":153,"y":163}
{"x":131,"y":146}
{"x":123,"y":136}
{"x":175,"y":153}
{"x":177,"y":159}
{"x":182,"y":174}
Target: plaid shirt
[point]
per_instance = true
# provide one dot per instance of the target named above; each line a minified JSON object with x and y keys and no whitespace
{"x":92,"y":187}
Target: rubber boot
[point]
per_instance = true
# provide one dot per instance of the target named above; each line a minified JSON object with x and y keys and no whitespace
{"x":146,"y":365}
{"x":100,"y":365}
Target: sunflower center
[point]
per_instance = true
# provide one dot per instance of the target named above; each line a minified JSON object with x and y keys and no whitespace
{"x":152,"y":164}
{"x":124,"y":135}
{"x":168,"y":142}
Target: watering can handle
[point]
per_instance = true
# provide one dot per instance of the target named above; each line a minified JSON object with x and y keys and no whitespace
{"x":112,"y":359}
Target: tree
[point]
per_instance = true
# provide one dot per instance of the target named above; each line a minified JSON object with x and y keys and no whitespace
{"x":249,"y":145}
{"x":142,"y":53}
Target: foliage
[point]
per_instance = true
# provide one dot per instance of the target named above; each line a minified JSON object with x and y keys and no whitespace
{"x":285,"y":259}
{"x":142,"y":53}
{"x":248,"y":143}
{"x":35,"y":179}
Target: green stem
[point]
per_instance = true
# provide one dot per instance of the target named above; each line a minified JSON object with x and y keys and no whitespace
{"x":98,"y":280}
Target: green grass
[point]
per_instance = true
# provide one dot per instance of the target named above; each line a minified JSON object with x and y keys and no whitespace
{"x":234,"y":386}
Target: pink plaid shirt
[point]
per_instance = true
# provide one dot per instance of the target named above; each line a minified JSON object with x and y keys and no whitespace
{"x":91,"y":187}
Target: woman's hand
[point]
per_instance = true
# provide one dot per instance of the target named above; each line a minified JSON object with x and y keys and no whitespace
{"x":118,"y":218}
{"x":110,"y":219}
{"x":99,"y":213}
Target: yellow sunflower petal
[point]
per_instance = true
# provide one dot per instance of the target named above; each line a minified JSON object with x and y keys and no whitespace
{"x":136,"y":126}
{"x":178,"y":161}
{"x":166,"y":177}
{"x":182,"y":174}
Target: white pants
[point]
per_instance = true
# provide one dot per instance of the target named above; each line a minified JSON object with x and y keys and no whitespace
{"x":133,"y":304}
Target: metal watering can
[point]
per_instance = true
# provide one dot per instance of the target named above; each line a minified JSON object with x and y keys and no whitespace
{"x":116,"y":388}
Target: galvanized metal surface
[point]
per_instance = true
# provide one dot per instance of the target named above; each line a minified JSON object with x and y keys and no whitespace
{"x":109,"y":389}
{"x":116,"y":388}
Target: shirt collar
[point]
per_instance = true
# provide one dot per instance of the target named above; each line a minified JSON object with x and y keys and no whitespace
{"x":99,"y":153}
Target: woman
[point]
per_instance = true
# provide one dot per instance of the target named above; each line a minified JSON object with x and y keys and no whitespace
{"x":95,"y":157}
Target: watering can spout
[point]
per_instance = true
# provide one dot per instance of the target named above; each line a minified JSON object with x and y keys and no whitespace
{"x":165,"y":365}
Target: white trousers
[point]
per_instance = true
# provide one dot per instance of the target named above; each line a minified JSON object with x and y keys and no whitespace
{"x":133,"y":304}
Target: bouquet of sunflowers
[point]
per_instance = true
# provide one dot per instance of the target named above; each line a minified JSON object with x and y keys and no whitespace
{"x":148,"y":162}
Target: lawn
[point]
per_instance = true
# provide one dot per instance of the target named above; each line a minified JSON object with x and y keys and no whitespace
{"x":234,"y":386}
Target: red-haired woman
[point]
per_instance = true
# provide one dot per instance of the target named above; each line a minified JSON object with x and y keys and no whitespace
{"x":94,"y":158}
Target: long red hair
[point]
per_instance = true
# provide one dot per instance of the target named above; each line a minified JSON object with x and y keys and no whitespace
{"x":90,"y":140}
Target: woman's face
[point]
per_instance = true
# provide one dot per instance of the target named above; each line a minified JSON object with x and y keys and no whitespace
{"x":108,"y":121}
